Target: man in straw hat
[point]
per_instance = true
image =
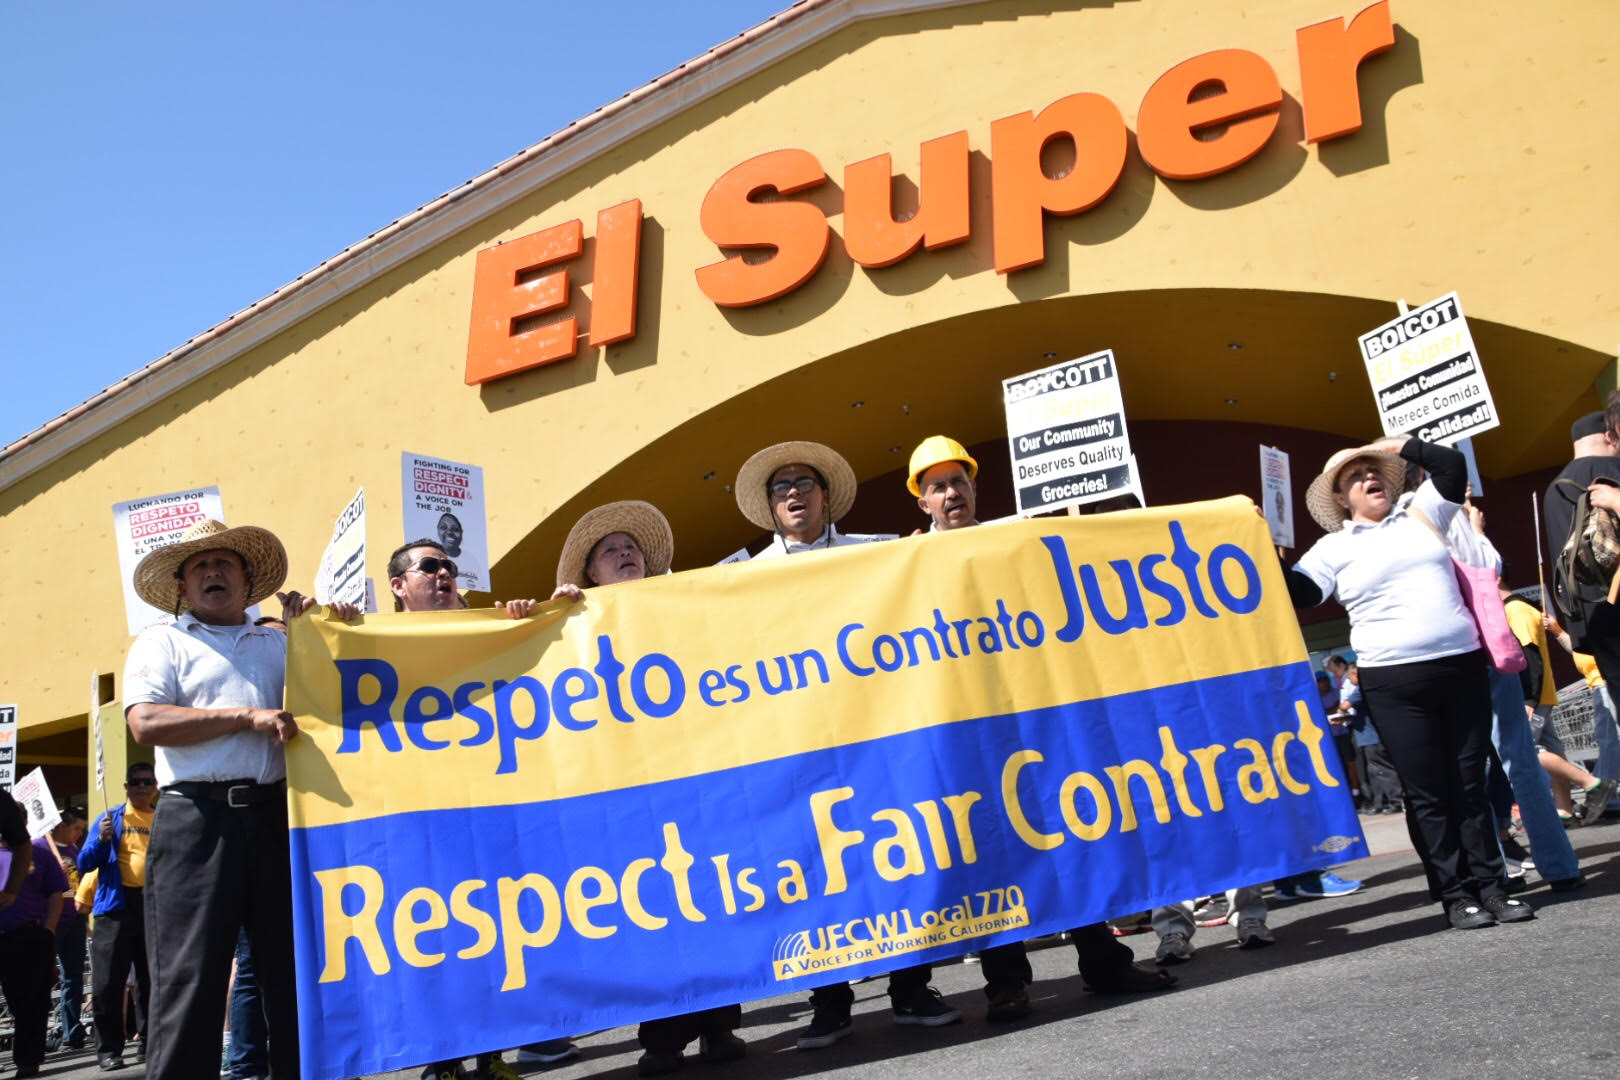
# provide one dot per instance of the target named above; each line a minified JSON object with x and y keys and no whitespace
{"x":942,"y":475}
{"x":206,"y":692}
{"x":799,"y":490}
{"x":629,"y":541}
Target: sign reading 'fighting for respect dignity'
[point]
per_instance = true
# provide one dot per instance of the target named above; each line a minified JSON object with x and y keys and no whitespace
{"x":724,"y":784}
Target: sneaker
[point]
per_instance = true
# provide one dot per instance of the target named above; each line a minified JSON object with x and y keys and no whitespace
{"x":1007,"y":1006}
{"x":1174,"y":948}
{"x":1466,"y":914}
{"x":494,"y":1067}
{"x":721,"y":1046}
{"x":1507,"y":909}
{"x":1212,"y":912}
{"x":1253,"y":933}
{"x":1325,"y":885}
{"x":547,"y":1053}
{"x":1568,"y":884}
{"x":1285,"y":892}
{"x":660,"y":1063}
{"x":444,"y":1070}
{"x":927,"y":1009}
{"x":825,"y":1029}
{"x":1597,"y":798}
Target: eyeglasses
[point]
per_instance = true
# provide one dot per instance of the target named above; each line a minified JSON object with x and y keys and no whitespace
{"x":781,"y":489}
{"x":432,"y":565}
{"x":147,"y":781}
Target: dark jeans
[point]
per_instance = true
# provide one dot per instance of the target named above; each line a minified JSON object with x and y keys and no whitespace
{"x":672,"y":1033}
{"x":904,"y":986}
{"x":213,"y":870}
{"x":1101,"y":957}
{"x":1434,"y":718}
{"x":250,"y":1053}
{"x":118,"y":944}
{"x":1381,"y":786}
{"x":70,"y":946}
{"x":27,"y":968}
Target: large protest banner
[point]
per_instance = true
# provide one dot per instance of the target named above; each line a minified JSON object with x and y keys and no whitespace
{"x":740,"y":781}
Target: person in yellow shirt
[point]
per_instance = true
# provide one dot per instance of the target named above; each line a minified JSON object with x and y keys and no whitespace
{"x":1540,"y":695}
{"x":1605,"y":728}
{"x":116,"y":850}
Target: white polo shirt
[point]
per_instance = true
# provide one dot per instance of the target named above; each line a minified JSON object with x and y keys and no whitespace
{"x":830,"y":538}
{"x":202,"y":666}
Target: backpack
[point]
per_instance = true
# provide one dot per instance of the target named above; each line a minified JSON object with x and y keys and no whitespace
{"x":1585,"y":565}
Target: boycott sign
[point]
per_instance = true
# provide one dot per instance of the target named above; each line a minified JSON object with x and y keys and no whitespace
{"x":8,"y":746}
{"x":654,"y":801}
{"x":33,"y":794}
{"x":1066,"y":427}
{"x":1277,"y":496}
{"x":1426,"y":375}
{"x":444,"y":501}
{"x":342,"y":575}
{"x":144,"y":525}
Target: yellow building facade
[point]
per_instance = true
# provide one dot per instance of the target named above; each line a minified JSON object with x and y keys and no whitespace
{"x":1482,"y":162}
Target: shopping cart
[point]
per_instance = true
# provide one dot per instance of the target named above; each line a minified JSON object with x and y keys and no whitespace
{"x":1572,"y":720}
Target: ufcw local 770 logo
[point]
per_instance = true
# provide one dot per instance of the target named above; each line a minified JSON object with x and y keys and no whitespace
{"x":890,"y":933}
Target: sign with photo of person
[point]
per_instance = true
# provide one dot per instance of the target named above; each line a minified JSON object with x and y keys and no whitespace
{"x":1277,"y":495}
{"x":444,"y":502}
{"x":33,"y":794}
{"x":1066,"y":429}
{"x":1426,"y":375}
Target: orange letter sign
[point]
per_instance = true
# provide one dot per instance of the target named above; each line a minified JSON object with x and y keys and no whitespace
{"x":1329,"y":54}
{"x":614,"y":277}
{"x":494,"y":348}
{"x":797,"y":231}
{"x":1021,"y":194}
{"x":871,"y":234}
{"x":1169,"y":122}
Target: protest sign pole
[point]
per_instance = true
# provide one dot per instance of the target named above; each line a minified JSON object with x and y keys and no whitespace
{"x":95,"y":727}
{"x":1541,"y":572}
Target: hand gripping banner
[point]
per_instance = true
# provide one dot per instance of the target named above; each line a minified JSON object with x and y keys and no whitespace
{"x":748,"y":780}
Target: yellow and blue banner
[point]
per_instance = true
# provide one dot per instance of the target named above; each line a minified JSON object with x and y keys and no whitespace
{"x":731,"y":783}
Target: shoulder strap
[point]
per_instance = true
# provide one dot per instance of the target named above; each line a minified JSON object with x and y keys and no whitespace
{"x":1424,"y":518}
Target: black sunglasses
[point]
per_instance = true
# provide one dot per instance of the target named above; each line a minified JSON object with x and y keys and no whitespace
{"x":780,"y":488}
{"x":432,"y":565}
{"x":142,"y":781}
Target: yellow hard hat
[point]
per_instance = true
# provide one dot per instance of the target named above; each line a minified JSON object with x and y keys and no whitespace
{"x":935,"y":450}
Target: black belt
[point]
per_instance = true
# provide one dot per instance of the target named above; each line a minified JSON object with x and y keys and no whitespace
{"x":230,"y":792}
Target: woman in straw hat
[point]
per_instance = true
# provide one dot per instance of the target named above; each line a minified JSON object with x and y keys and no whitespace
{"x":612,"y":544}
{"x":1425,"y":680}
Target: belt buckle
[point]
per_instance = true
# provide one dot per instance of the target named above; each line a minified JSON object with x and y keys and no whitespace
{"x":230,"y":795}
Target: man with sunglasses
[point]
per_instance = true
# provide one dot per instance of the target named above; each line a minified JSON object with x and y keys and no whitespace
{"x":117,"y":848}
{"x":422,"y":577}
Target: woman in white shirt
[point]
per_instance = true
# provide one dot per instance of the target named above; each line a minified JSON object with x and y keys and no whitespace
{"x":1424,"y":677}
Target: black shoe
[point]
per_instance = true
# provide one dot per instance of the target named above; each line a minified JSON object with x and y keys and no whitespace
{"x":825,"y":1029}
{"x":660,"y":1063}
{"x":1007,"y":1006}
{"x":1568,"y":884}
{"x":1139,"y":977}
{"x":926,"y":1009}
{"x":1507,"y":909}
{"x":1514,"y":850}
{"x":25,"y":1071}
{"x":1467,"y":914}
{"x":109,"y":1062}
{"x":721,"y":1046}
{"x":1516,"y":885}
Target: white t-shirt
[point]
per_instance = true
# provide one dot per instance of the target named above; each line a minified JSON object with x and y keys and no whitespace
{"x":202,"y":666}
{"x":1396,"y":581}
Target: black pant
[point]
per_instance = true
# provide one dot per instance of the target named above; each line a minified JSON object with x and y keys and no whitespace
{"x":211,"y":870}
{"x":27,"y":969}
{"x":672,"y":1033}
{"x":1101,"y":957}
{"x":1434,"y":718}
{"x":118,"y":943}
{"x":1381,"y":786}
{"x":904,"y":986}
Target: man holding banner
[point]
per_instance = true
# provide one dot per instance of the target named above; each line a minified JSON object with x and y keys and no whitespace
{"x":942,"y":475}
{"x":799,"y":491}
{"x":206,"y":691}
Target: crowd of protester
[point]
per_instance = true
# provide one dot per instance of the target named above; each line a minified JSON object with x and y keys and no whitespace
{"x":187,"y":893}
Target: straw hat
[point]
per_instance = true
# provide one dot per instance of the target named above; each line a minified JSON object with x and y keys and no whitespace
{"x":642,"y":521}
{"x":756,"y":473}
{"x":157,"y":575}
{"x":936,"y":450}
{"x":1319,"y":498}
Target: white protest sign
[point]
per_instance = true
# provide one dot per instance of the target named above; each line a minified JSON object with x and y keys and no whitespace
{"x":1426,"y":376}
{"x":1066,"y":427}
{"x":342,"y":574}
{"x":33,"y":794}
{"x":144,"y":525}
{"x":95,"y":728}
{"x":1277,"y":496}
{"x":444,"y":501}
{"x":8,"y":746}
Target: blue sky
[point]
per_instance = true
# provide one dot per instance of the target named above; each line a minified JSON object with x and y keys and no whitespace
{"x":166,"y":164}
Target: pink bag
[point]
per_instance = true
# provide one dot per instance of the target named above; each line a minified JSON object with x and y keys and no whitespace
{"x":1478,"y":587}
